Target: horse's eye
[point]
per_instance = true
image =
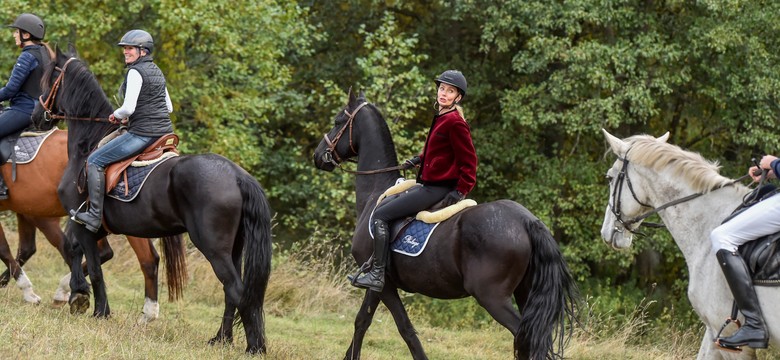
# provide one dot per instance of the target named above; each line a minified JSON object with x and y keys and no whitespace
{"x":609,"y":178}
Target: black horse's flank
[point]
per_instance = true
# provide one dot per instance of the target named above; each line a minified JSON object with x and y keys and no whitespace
{"x":220,"y":205}
{"x":494,"y":251}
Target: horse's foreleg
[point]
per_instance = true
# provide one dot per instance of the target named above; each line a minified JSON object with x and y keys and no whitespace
{"x":92,"y":255}
{"x":149,"y":261}
{"x":12,"y":267}
{"x":79,"y":296}
{"x":362,"y":322}
{"x":393,"y":302}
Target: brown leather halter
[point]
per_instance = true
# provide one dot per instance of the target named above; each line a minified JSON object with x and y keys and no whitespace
{"x":49,"y":102}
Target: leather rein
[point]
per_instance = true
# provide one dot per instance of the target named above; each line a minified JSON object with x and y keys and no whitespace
{"x":330,"y":155}
{"x":49,"y":102}
{"x":617,"y":193}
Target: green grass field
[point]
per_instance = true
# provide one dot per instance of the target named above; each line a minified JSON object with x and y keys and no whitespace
{"x":311,"y":321}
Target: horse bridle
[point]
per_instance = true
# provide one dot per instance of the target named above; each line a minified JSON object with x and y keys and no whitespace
{"x":48,"y":104}
{"x":617,"y":193}
{"x":330,"y":155}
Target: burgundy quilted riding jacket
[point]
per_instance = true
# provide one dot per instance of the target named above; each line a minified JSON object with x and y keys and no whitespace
{"x":449,"y":156}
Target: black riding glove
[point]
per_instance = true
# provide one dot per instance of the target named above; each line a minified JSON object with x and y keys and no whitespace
{"x":453,"y":197}
{"x":411,"y":163}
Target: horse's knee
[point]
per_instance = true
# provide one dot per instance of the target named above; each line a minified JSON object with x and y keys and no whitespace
{"x":26,"y":253}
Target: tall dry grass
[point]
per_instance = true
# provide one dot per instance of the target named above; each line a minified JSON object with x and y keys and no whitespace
{"x":309,"y":313}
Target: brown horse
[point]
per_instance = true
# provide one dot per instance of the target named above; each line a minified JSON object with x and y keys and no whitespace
{"x":33,"y":197}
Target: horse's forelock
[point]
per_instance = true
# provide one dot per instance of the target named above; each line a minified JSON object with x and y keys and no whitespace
{"x":702,"y":175}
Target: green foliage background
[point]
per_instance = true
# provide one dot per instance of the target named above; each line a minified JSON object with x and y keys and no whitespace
{"x":260,"y":81}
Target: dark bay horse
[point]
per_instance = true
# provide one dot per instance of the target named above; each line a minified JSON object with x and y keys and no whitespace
{"x":220,"y":205}
{"x":33,"y":197}
{"x":493,"y":251}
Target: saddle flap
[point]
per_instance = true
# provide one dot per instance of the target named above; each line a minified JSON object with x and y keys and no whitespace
{"x":166,"y":143}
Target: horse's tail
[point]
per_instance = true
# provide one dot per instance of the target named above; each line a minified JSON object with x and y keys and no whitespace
{"x":254,"y":233}
{"x":552,"y":301}
{"x":175,"y":265}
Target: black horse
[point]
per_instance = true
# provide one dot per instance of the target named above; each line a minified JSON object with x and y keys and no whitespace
{"x":220,"y":205}
{"x":492,"y":251}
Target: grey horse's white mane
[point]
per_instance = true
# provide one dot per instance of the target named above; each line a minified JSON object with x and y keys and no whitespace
{"x":702,"y":175}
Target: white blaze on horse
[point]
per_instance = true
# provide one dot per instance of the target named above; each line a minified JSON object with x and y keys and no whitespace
{"x":650,"y":174}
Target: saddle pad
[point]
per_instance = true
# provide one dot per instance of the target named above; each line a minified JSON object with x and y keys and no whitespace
{"x":27,"y":146}
{"x":136,"y":177}
{"x":412,"y":241}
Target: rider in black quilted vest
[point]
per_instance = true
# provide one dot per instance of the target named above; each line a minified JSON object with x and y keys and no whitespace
{"x":145,"y":111}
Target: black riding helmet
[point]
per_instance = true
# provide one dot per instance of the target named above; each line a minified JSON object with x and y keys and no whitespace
{"x":138,"y":38}
{"x":454,"y":78}
{"x":31,"y":24}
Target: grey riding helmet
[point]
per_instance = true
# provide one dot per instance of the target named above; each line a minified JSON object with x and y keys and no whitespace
{"x":31,"y":24}
{"x":138,"y":38}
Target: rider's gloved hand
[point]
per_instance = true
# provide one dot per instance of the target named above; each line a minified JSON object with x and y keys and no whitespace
{"x":453,"y":197}
{"x":411,"y":163}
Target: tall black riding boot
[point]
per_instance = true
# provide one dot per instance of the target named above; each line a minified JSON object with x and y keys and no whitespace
{"x":96,"y":183}
{"x":375,"y":279}
{"x":753,"y":333}
{"x":3,"y":189}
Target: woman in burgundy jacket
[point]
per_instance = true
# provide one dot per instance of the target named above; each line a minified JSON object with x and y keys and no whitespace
{"x":448,"y":170}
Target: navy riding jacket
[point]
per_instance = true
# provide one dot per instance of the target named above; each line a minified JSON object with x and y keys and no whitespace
{"x":19,"y":99}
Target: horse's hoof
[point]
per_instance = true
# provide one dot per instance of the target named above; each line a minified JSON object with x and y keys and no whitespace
{"x":79,"y":304}
{"x":58,"y":304}
{"x":254,"y":350}
{"x":33,"y":299}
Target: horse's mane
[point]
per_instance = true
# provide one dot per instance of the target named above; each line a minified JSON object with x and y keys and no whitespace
{"x":79,"y":96}
{"x":383,"y":127}
{"x":702,"y":175}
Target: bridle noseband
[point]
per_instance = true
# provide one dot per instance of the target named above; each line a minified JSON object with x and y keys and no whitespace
{"x":48,"y":104}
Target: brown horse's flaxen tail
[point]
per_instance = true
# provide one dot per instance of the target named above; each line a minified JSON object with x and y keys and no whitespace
{"x":553,"y":301}
{"x":175,"y":259}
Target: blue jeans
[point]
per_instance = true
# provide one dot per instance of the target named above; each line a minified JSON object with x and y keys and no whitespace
{"x":123,"y":147}
{"x":12,"y":121}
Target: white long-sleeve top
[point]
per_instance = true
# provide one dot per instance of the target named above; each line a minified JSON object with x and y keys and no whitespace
{"x":134,"y":82}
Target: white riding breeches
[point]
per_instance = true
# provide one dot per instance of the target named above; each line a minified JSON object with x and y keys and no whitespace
{"x":759,"y":220}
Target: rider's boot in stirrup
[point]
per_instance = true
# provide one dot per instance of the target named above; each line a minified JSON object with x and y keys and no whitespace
{"x":753,"y":333}
{"x":375,"y":279}
{"x":96,"y":183}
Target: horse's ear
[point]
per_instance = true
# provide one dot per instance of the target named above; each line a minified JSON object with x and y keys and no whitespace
{"x":72,"y":50}
{"x":664,"y":137}
{"x":351,"y":96}
{"x":361,"y":95}
{"x":618,"y":146}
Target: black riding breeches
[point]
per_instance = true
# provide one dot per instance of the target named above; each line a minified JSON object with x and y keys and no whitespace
{"x":409,"y":203}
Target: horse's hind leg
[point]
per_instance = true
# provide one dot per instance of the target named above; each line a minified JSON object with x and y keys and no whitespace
{"x":215,"y":247}
{"x":362,"y":322}
{"x":149,"y":260}
{"x":402,"y":322}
